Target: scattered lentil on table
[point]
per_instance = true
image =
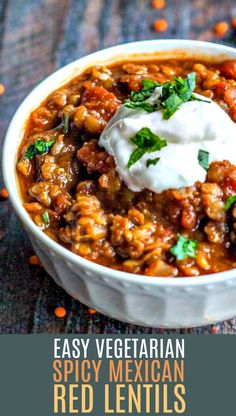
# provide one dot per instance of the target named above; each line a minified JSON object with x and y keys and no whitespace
{"x":60,"y":312}
{"x":221,"y":28}
{"x":2,"y":89}
{"x":4,"y":193}
{"x":92,"y":311}
{"x":233,"y":21}
{"x":158,"y":4}
{"x":34,"y":260}
{"x":160,"y":25}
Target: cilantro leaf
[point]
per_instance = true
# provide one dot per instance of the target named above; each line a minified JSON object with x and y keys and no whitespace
{"x":203,"y":159}
{"x":229,"y":202}
{"x":191,"y":80}
{"x":46,"y":218}
{"x":184,"y":248}
{"x":138,"y":98}
{"x":171,"y":105}
{"x":146,"y":142}
{"x":135,"y":156}
{"x":148,"y":88}
{"x":140,"y":104}
{"x":149,"y":84}
{"x":39,"y":147}
{"x":186,"y":87}
{"x":30,"y":152}
{"x":174,"y":94}
{"x":152,"y":161}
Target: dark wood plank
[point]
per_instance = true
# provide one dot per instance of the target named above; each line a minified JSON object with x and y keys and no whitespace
{"x":37,"y":37}
{"x":29,"y":35}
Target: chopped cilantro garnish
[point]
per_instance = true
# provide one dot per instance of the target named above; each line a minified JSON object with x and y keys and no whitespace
{"x":146,"y":92}
{"x":39,"y":147}
{"x":149,"y":84}
{"x":146,"y":142}
{"x":46,"y":218}
{"x":138,"y":98}
{"x":203,"y":159}
{"x":229,"y":202}
{"x":152,"y":161}
{"x":171,"y":104}
{"x":142,"y":105}
{"x":184,"y":248}
{"x":174,"y":93}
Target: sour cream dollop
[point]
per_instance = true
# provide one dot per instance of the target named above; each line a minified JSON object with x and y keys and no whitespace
{"x":196,"y":125}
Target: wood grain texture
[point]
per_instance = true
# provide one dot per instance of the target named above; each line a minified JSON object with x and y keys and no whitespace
{"x":36,"y":37}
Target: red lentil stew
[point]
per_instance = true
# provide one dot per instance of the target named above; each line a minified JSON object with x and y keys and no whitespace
{"x":71,"y":190}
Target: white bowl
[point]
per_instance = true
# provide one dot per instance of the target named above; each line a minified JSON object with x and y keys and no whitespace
{"x":148,"y":301}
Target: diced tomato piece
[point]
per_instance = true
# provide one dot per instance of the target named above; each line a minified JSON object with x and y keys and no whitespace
{"x":228,"y":69}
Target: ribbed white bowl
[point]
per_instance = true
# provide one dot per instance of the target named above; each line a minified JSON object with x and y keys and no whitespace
{"x":148,"y":301}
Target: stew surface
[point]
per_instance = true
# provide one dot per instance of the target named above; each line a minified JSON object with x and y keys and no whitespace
{"x":71,"y":190}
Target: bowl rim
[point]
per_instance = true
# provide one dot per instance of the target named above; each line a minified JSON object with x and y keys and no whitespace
{"x":14,"y":196}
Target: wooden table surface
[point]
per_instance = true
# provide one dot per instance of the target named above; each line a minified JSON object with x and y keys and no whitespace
{"x":36,"y":37}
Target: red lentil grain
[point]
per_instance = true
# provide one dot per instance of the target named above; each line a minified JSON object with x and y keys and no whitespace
{"x":2,"y":89}
{"x":221,"y":28}
{"x":60,"y":312}
{"x":92,"y":311}
{"x":233,"y":21}
{"x":4,"y":193}
{"x":214,"y":330}
{"x":158,"y":4}
{"x":160,"y":25}
{"x":34,"y":260}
